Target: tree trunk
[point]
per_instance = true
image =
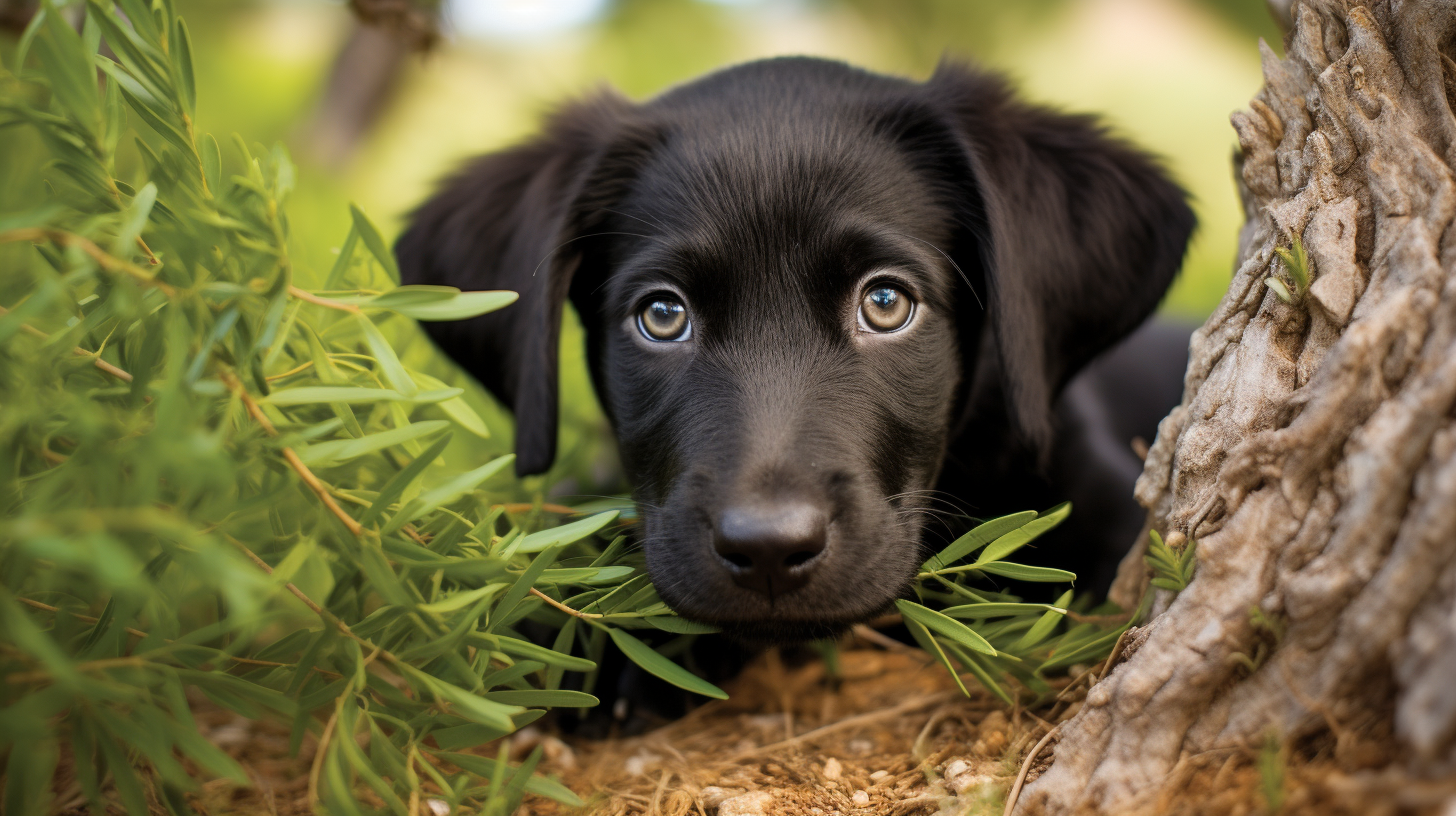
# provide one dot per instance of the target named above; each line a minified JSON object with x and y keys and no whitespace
{"x":1313,"y":459}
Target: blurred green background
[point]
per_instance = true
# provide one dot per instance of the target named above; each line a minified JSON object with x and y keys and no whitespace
{"x":371,"y":121}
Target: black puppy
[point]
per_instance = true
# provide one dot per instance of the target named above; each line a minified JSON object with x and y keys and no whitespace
{"x":812,"y":295}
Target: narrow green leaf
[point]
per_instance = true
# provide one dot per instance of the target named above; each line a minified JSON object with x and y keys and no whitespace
{"x":544,"y":698}
{"x":315,"y":394}
{"x":459,"y":600}
{"x":1279,"y":289}
{"x":653,"y":663}
{"x":566,"y":533}
{"x":22,"y":48}
{"x":374,"y":242}
{"x":1020,"y":537}
{"x":1023,"y":572}
{"x":976,"y":539}
{"x":67,"y":66}
{"x":978,"y":611}
{"x":182,"y":63}
{"x":337,"y":451}
{"x":949,"y":627}
{"x":28,"y":775}
{"x":461,"y":306}
{"x":447,"y":492}
{"x":976,"y":665}
{"x":397,"y":484}
{"x":589,"y":576}
{"x":681,"y":626}
{"x":135,"y":219}
{"x":1044,"y":625}
{"x":389,"y":364}
{"x":470,"y":706}
{"x":531,"y":651}
{"x":487,"y":768}
{"x":456,"y":408}
{"x":211,"y":156}
{"x":928,"y":642}
{"x":341,"y":263}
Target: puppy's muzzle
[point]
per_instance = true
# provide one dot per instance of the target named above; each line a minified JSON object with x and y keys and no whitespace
{"x":772,"y":548}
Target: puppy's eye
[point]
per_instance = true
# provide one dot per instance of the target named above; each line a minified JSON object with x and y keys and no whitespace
{"x":664,"y":318}
{"x":885,"y":309}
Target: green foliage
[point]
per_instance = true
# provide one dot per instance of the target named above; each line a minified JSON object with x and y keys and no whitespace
{"x":1273,"y":760}
{"x":215,"y":482}
{"x":1010,"y":639}
{"x":1296,"y":264}
{"x":1172,"y":569}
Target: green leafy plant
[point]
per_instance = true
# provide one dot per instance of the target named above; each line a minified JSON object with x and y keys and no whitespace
{"x":1172,"y":569}
{"x":1010,"y":638}
{"x":1273,"y":762}
{"x":218,"y":480}
{"x":1296,"y":264}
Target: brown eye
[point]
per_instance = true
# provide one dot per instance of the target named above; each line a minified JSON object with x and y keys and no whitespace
{"x":885,"y":309}
{"x":664,"y":318}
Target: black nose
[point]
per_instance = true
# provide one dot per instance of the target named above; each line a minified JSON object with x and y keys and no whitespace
{"x":771,"y":548}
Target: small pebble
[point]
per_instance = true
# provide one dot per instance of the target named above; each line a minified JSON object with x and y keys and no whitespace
{"x":748,"y":804}
{"x":832,"y":768}
{"x":636,"y":765}
{"x":713,"y":796}
{"x":992,"y":723}
{"x":860,"y":799}
{"x":878,"y":775}
{"x":439,"y":807}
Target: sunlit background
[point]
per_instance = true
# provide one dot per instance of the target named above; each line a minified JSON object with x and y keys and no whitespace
{"x":372,"y":121}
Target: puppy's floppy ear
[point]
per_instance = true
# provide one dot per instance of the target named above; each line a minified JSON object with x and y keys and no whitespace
{"x":512,"y":220}
{"x":1077,"y":235}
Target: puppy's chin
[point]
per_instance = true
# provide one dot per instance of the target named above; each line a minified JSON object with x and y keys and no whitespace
{"x":783,"y":626}
{"x":783,"y":633}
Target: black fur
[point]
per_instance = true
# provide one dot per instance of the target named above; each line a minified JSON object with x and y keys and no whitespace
{"x":765,"y":194}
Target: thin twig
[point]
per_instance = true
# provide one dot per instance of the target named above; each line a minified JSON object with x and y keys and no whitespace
{"x":337,"y":622}
{"x":102,"y":258}
{"x":561,"y":606}
{"x":1026,"y":769}
{"x":302,"y":294}
{"x":850,"y":722}
{"x":1099,"y":620}
{"x":96,"y":360}
{"x":139,"y":633}
{"x":1112,"y":657}
{"x":318,"y":758}
{"x":879,"y":639}
{"x":256,"y":412}
{"x":524,"y":507}
{"x":652,"y":809}
{"x":88,"y":665}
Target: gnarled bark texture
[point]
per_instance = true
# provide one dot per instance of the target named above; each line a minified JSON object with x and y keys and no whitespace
{"x":1313,"y":459}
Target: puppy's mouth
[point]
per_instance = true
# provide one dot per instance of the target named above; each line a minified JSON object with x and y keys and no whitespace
{"x":851,"y":579}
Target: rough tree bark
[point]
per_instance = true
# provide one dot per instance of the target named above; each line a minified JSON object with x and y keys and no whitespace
{"x":1313,"y":459}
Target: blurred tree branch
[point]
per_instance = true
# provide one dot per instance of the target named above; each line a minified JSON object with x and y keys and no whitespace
{"x":14,"y":14}
{"x":365,"y":74}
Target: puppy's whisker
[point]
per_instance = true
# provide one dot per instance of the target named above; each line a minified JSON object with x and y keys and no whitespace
{"x":562,"y":245}
{"x":953,"y":264}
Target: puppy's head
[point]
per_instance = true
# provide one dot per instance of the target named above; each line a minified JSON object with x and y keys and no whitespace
{"x":798,"y":282}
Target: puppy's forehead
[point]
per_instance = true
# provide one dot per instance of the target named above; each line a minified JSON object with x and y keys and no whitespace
{"x":775,"y":179}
